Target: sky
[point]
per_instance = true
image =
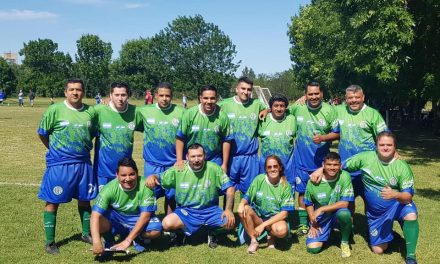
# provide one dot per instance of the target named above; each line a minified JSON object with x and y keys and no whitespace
{"x":258,"y":28}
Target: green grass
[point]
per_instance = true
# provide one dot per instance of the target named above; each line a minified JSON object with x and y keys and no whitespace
{"x":22,"y":237}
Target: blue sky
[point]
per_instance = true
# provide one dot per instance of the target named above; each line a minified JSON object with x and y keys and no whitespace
{"x":257,"y":28}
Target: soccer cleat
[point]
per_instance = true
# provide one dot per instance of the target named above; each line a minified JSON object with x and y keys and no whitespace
{"x":52,"y":249}
{"x":270,"y":242}
{"x":410,"y":261}
{"x":345,"y":250}
{"x":302,"y":230}
{"x":86,"y":239}
{"x":177,"y":239}
{"x":253,"y":247}
{"x":212,"y":240}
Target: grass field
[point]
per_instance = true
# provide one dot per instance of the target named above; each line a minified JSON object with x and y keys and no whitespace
{"x":22,"y":237}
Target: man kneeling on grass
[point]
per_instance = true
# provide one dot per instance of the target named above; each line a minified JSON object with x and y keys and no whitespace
{"x":326,"y":204}
{"x":125,"y":206}
{"x":197,"y":186}
{"x":266,"y":204}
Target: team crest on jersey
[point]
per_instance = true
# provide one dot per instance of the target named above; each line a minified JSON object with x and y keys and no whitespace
{"x":321,"y":122}
{"x":184,"y":212}
{"x":393,"y":181}
{"x":338,"y":188}
{"x":57,"y":190}
{"x":253,"y":116}
{"x":131,"y":125}
{"x":207,"y":184}
{"x":341,"y":122}
{"x":288,"y":133}
{"x":216,"y":129}
{"x":363,"y":124}
{"x":175,"y":122}
{"x":299,"y":118}
{"x":259,"y":194}
{"x":107,"y":125}
{"x":115,"y":205}
{"x":195,"y":128}
{"x":64,"y":123}
{"x":266,"y":133}
{"x":298,"y":180}
{"x":231,"y":115}
{"x":89,"y":123}
{"x":151,"y":120}
{"x":374,"y":232}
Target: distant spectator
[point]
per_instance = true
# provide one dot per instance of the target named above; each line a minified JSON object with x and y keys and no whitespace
{"x":20,"y":98}
{"x":184,"y":100}
{"x":98,"y":98}
{"x":148,"y":97}
{"x":31,"y":98}
{"x":2,"y":96}
{"x":51,"y":101}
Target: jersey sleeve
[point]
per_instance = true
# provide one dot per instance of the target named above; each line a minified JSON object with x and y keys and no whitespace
{"x":184,"y":125}
{"x":103,"y":200}
{"x":47,"y":122}
{"x":292,"y":109}
{"x":167,"y":179}
{"x":287,"y":203}
{"x":95,"y":112}
{"x":139,"y":119}
{"x":251,"y":192}
{"x":378,"y":124}
{"x":347,"y":193}
{"x":333,"y":120}
{"x":354,"y":163}
{"x":226,"y":130}
{"x":148,"y":201}
{"x":223,"y":182}
{"x":261,"y":106}
{"x":406,"y":179}
{"x":308,"y":199}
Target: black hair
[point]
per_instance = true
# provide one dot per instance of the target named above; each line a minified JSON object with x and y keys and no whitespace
{"x":127,"y":162}
{"x":332,"y":156}
{"x":208,"y":88}
{"x":313,"y":83}
{"x":118,"y":84}
{"x":245,"y":79}
{"x":278,"y":98}
{"x":75,"y":80}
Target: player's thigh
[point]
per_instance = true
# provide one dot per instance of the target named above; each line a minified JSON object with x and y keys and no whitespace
{"x":301,"y":179}
{"x":58,"y":184}
{"x":86,"y":188}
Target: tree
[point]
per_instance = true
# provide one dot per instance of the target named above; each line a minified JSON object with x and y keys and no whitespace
{"x":192,"y":53}
{"x":93,"y":60}
{"x":249,"y":72}
{"x":8,"y":80}
{"x":44,"y":69}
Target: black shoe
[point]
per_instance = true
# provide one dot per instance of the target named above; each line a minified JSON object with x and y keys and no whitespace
{"x":177,"y":239}
{"x":410,"y":261}
{"x":52,"y":249}
{"x":212,"y":240}
{"x":86,"y":239}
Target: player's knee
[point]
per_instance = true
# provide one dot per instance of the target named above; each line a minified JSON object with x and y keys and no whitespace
{"x":379,"y":249}
{"x":410,"y":217}
{"x":167,"y":224}
{"x":343,"y":216}
{"x":152,"y":234}
{"x":280,"y":230}
{"x":313,"y":250}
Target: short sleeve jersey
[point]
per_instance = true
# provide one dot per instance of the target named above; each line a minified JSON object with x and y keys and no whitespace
{"x":160,"y":128}
{"x":131,"y":203}
{"x":376,"y":175}
{"x":267,"y":199}
{"x":196,"y":190}
{"x":358,"y":130}
{"x":244,"y":124}
{"x":208,"y":130}
{"x":116,"y":136}
{"x":70,"y":133}
{"x":277,"y":137}
{"x":308,"y":155}
{"x":329,"y":192}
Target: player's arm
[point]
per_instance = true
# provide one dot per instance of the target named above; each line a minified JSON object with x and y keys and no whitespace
{"x":97,"y":248}
{"x":226,"y":150}
{"x":152,"y":181}
{"x":276,"y":218}
{"x":180,"y":144}
{"x":314,"y":226}
{"x":240,"y":210}
{"x":325,"y":138}
{"x":403,"y":197}
{"x":44,"y":140}
{"x":263,"y":113}
{"x":331,"y":207}
{"x":230,"y":219}
{"x":144,"y":218}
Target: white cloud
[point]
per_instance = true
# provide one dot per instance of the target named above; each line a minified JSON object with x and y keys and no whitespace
{"x":15,"y":14}
{"x":87,"y":2}
{"x":134,"y":5}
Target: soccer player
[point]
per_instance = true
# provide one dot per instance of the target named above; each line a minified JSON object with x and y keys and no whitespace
{"x":326,"y":204}
{"x":277,"y":133}
{"x":316,"y":122}
{"x":388,"y":191}
{"x":197,"y":194}
{"x":207,"y":125}
{"x":266,"y":204}
{"x":243,"y":112}
{"x":160,"y":122}
{"x":66,"y":131}
{"x":125,"y":206}
{"x":115,"y":124}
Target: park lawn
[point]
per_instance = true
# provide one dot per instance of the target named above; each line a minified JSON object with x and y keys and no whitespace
{"x":22,"y":235}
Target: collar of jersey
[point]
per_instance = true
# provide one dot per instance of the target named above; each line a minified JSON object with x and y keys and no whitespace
{"x":200,"y":110}
{"x":112,"y":106}
{"x":268,"y":182}
{"x":335,"y":179}
{"x":164,"y":109}
{"x":238,"y":102}
{"x":276,"y":120}
{"x":386,"y":163}
{"x":313,"y":109}
{"x":71,"y":107}
{"x":189,"y":167}
{"x":134,"y":187}
{"x":355,"y":112}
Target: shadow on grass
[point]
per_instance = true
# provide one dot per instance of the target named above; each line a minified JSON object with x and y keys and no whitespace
{"x":429,"y":193}
{"x":360,"y":227}
{"x":397,"y":245}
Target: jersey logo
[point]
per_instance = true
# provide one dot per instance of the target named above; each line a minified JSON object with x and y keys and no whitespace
{"x":341,"y":122}
{"x":231,"y":115}
{"x":64,"y":123}
{"x":115,"y":205}
{"x":151,"y":120}
{"x":363,"y":124}
{"x":289,"y":133}
{"x":128,"y":206}
{"x":374,"y":232}
{"x":131,"y":125}
{"x":184,"y":185}
{"x":322,"y":122}
{"x":216,"y":129}
{"x":266,"y":133}
{"x":321,"y":195}
{"x":107,"y":125}
{"x":184,"y":212}
{"x":298,"y":180}
{"x":253,"y":116}
{"x":299,"y":118}
{"x":207,"y":184}
{"x":393,"y":181}
{"x":195,"y":128}
{"x":57,"y":190}
{"x":338,"y":188}
{"x":175,"y":122}
{"x":259,"y":194}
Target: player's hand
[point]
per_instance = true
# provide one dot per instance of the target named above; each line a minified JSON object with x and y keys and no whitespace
{"x":317,"y":139}
{"x":97,"y":248}
{"x":241,"y":210}
{"x":230,"y":219}
{"x":179,"y":164}
{"x":259,"y":230}
{"x":152,"y":181}
{"x":388,"y":193}
{"x":316,"y":213}
{"x":314,"y":231}
{"x":317,"y":175}
{"x":123,"y":245}
{"x":301,"y":100}
{"x":262,"y":115}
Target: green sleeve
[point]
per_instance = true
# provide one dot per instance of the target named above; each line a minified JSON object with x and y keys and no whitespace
{"x":48,"y":121}
{"x":103,"y":200}
{"x":139,"y":119}
{"x":148,"y":199}
{"x":406,"y":179}
{"x":287,"y":197}
{"x":184,"y":124}
{"x":346,"y":186}
{"x":292,"y":109}
{"x":168,"y":178}
{"x":225,"y":126}
{"x":261,"y":106}
{"x":379,"y":124}
{"x":251,"y":192}
{"x":308,"y":195}
{"x":222,"y":178}
{"x":333,"y":118}
{"x":355,"y":162}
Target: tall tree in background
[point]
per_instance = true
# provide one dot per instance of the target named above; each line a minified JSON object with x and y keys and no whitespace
{"x":44,"y":68}
{"x":191,"y":53}
{"x":249,"y":72}
{"x":93,"y":60}
{"x":8,"y":80}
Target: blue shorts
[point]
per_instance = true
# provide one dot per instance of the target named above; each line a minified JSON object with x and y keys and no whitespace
{"x":103,"y":181}
{"x":63,"y":182}
{"x":159,"y":191}
{"x":242,"y":171}
{"x":326,"y":222}
{"x":123,"y":224}
{"x":301,"y":179}
{"x":193,"y":219}
{"x":289,"y":170}
{"x":381,"y":227}
{"x":218,"y":160}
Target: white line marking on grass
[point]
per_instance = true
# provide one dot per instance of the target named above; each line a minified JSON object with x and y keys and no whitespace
{"x":20,"y":184}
